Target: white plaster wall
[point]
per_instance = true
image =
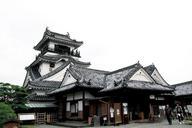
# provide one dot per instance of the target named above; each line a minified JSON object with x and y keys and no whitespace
{"x":78,"y":95}
{"x":80,"y":105}
{"x":68,"y":106}
{"x":141,"y":75}
{"x":51,"y":46}
{"x":68,"y":79}
{"x":158,"y":77}
{"x":58,"y":76}
{"x":69,"y":97}
{"x":75,"y":96}
{"x":44,"y":68}
{"x":88,"y":95}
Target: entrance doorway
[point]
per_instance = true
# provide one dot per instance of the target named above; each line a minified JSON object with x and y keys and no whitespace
{"x":117,"y":110}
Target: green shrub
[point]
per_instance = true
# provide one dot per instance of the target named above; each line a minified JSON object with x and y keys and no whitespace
{"x":6,"y":113}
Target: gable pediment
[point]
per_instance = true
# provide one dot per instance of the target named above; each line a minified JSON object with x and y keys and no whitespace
{"x":68,"y":79}
{"x":141,"y":75}
{"x":158,"y":78}
{"x":57,"y":75}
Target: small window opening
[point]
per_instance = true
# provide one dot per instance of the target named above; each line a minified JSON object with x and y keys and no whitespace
{"x":52,"y":65}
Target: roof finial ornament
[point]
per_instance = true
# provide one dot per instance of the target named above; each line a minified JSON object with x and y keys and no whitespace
{"x":138,"y":62}
{"x":68,"y":34}
{"x":48,"y":32}
{"x":47,"y":28}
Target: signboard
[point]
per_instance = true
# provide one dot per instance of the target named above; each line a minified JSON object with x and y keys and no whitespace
{"x":160,"y":98}
{"x":152,"y":97}
{"x":125,"y":104}
{"x":112,"y":112}
{"x":125,"y":111}
{"x":26,"y":116}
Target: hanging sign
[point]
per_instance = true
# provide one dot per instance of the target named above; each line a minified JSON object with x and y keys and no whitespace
{"x":111,"y":112}
{"x":152,"y":97}
{"x":125,"y":104}
{"x":125,"y":111}
{"x":118,"y":112}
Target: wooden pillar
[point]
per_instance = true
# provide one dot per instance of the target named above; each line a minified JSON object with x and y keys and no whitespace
{"x":108,"y":114}
{"x":60,"y":110}
{"x":82,"y":113}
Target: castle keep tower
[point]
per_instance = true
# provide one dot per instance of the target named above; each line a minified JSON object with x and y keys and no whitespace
{"x":46,"y":72}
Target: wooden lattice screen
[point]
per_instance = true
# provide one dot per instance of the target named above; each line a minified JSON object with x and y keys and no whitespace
{"x":40,"y":118}
{"x":51,"y":117}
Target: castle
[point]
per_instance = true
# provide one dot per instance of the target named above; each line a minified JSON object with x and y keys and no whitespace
{"x":63,"y":88}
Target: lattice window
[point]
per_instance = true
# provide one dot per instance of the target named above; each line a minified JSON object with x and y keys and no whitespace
{"x":40,"y":118}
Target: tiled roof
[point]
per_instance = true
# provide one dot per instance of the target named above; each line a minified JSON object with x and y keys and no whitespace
{"x":41,"y":105}
{"x":149,"y":69}
{"x":107,"y":81}
{"x":64,"y":88}
{"x":46,"y":58}
{"x":74,"y":85}
{"x":183,"y":89}
{"x":34,"y":73}
{"x":36,"y":97}
{"x":33,"y":68}
{"x":56,"y":58}
{"x":142,"y":85}
{"x":53,"y":58}
{"x":45,"y":84}
{"x":95,"y":77}
{"x":87,"y":78}
{"x":124,"y":73}
{"x":59,"y":38}
{"x":80,"y":63}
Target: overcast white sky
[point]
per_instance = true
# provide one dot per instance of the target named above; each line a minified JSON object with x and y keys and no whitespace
{"x":116,"y":33}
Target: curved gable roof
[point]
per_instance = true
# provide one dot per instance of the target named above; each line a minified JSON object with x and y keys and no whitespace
{"x":123,"y":73}
{"x":56,"y":37}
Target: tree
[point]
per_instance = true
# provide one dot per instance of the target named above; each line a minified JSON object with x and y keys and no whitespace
{"x":20,"y":98}
{"x":6,"y":113}
{"x":5,"y":92}
{"x":14,"y":95}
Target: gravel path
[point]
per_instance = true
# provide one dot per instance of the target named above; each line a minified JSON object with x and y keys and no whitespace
{"x":163,"y":124}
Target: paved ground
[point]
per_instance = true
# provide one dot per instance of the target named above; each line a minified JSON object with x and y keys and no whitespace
{"x":156,"y":125}
{"x":163,"y":124}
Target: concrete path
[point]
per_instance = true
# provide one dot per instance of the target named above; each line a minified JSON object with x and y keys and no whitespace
{"x":163,"y":124}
